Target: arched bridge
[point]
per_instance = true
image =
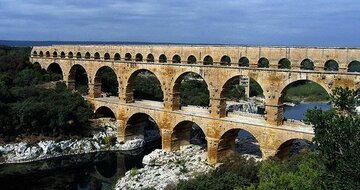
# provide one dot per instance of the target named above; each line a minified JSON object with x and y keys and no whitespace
{"x":274,"y":68}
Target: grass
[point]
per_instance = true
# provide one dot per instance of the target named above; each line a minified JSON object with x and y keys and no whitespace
{"x":307,"y":92}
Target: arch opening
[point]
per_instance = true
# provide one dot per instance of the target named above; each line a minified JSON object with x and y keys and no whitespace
{"x":127,"y":57}
{"x":97,"y":55}
{"x":354,"y":66}
{"x":41,"y":54}
{"x":106,"y":83}
{"x":176,"y":59}
{"x":47,"y":54}
{"x":55,"y":54}
{"x":208,"y":60}
{"x":117,"y":56}
{"x":55,"y":71}
{"x":62,"y":54}
{"x":299,"y":96}
{"x":78,"y":55}
{"x":263,"y":63}
{"x":238,"y":142}
{"x":144,"y":85}
{"x":186,"y":133}
{"x":142,"y":126}
{"x":225,"y":60}
{"x":191,"y":59}
{"x":139,"y":57}
{"x":162,"y":58}
{"x":191,"y":89}
{"x":284,"y":63}
{"x":106,"y":56}
{"x":104,"y":112}
{"x":331,"y":65}
{"x":242,"y":94}
{"x":78,"y":79}
{"x":70,"y":55}
{"x":35,"y":54}
{"x":307,"y":64}
{"x":244,"y":62}
{"x":292,"y":147}
{"x":87,"y":55}
{"x":150,"y":58}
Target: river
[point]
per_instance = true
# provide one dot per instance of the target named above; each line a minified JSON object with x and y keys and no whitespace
{"x":297,"y":112}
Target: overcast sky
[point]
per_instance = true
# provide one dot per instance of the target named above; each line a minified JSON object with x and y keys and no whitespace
{"x":250,"y":22}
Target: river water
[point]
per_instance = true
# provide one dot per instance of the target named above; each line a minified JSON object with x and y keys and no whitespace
{"x":297,"y":112}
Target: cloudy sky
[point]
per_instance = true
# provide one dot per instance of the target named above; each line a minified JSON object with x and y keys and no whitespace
{"x":251,"y":22}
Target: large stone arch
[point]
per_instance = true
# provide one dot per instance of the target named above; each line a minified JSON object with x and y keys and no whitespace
{"x":56,"y":68}
{"x":181,"y":133}
{"x":104,"y":111}
{"x":131,"y":131}
{"x":97,"y":88}
{"x":72,"y":83}
{"x":283,"y":150}
{"x":131,"y":78}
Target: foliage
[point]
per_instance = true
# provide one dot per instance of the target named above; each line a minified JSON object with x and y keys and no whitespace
{"x":109,"y":83}
{"x":345,"y":99}
{"x":305,"y":91}
{"x":147,"y":87}
{"x":194,"y":91}
{"x":110,"y":140}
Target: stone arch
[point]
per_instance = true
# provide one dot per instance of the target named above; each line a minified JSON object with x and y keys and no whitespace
{"x":162,"y":58}
{"x":78,"y":55}
{"x":286,"y":149}
{"x":184,"y":131}
{"x":55,"y":54}
{"x":106,"y":56}
{"x":331,"y":65}
{"x":244,"y":62}
{"x":354,"y":66}
{"x":225,"y":60}
{"x":284,"y":63}
{"x":136,"y":124}
{"x":35,"y":54}
{"x":97,"y":55}
{"x":191,"y":59}
{"x":87,"y":55}
{"x":62,"y":54}
{"x":130,"y":84}
{"x":307,"y":64}
{"x":150,"y":58}
{"x":176,"y":59}
{"x":139,"y":57}
{"x":176,"y":85}
{"x":55,"y":68}
{"x":208,"y":60}
{"x":47,"y":54}
{"x":78,"y":79}
{"x":263,"y":63}
{"x":104,"y":111}
{"x":127,"y":57}
{"x":70,"y":55}
{"x":233,"y":139}
{"x":98,"y":82}
{"x":41,"y":54}
{"x":117,"y":56}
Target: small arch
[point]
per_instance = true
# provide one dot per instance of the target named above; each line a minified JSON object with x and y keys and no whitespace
{"x":87,"y":55}
{"x":97,"y":55}
{"x":244,"y":62}
{"x":117,"y":56}
{"x":292,"y":147}
{"x":41,"y":54}
{"x":70,"y":55}
{"x":263,"y":63}
{"x":47,"y":54}
{"x":191,"y":59}
{"x":284,"y":63}
{"x":127,"y":57}
{"x":106,"y":56}
{"x":162,"y":58}
{"x":35,"y":54}
{"x":354,"y":66}
{"x":55,"y":70}
{"x":176,"y":59}
{"x":104,"y":112}
{"x":150,"y":58}
{"x":331,"y":65}
{"x":307,"y":64}
{"x":208,"y":60}
{"x":78,"y":55}
{"x":62,"y":54}
{"x":55,"y":54}
{"x":139,"y":57}
{"x":225,"y":60}
{"x":187,"y":132}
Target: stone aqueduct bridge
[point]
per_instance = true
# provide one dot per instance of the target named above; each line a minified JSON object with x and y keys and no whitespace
{"x":217,"y":65}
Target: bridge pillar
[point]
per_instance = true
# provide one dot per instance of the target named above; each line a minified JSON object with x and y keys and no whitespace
{"x":121,"y":135}
{"x":166,"y":139}
{"x":274,"y":114}
{"x":95,"y":90}
{"x":218,"y":107}
{"x":127,"y":97}
{"x":212,"y":150}
{"x":172,"y":101}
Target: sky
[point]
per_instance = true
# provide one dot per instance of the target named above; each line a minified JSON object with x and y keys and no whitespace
{"x":251,"y":22}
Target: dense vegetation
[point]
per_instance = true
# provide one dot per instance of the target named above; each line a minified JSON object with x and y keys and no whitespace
{"x":305,"y":91}
{"x":30,"y":105}
{"x":333,"y":163}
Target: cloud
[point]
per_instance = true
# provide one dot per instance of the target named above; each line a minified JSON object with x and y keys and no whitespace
{"x":276,"y":22}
